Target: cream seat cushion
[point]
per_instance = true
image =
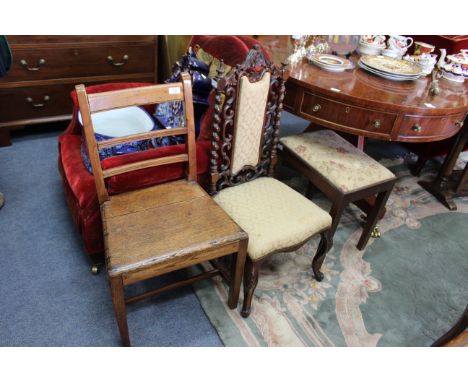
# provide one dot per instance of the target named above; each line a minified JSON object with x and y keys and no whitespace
{"x":274,"y":215}
{"x":343,"y":164}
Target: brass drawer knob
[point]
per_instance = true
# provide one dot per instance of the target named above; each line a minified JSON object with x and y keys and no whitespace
{"x":110,"y":59}
{"x":417,"y":128}
{"x":316,"y":108}
{"x":34,"y":68}
{"x":347,"y":109}
{"x":31,"y":101}
{"x":376,"y":124}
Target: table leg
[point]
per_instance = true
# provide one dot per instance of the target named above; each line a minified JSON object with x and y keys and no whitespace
{"x":443,"y":187}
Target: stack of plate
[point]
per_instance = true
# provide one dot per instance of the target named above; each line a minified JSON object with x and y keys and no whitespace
{"x":330,"y":62}
{"x":391,"y":68}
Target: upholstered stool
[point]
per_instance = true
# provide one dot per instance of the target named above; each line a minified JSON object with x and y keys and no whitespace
{"x":342,"y":172}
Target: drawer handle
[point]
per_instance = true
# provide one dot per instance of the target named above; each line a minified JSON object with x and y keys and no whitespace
{"x":31,"y":101}
{"x":316,"y":108}
{"x":376,"y":124}
{"x":33,"y":69}
{"x":122,"y":63}
{"x":417,"y":128}
{"x":459,"y":124}
{"x":347,"y":110}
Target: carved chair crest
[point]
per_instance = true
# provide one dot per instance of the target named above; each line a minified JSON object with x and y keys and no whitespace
{"x":226,"y":123}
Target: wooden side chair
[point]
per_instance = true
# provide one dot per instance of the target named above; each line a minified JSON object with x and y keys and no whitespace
{"x":342,"y":172}
{"x":248,"y":106}
{"x":159,"y":229}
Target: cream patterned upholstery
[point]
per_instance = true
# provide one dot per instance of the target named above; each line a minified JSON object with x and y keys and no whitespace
{"x":344,"y":165}
{"x":251,"y":104}
{"x":273,"y":214}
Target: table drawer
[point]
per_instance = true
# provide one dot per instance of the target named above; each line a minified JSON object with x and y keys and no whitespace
{"x":326,"y":110}
{"x":430,"y":127}
{"x":50,"y":63}
{"x":35,"y":102}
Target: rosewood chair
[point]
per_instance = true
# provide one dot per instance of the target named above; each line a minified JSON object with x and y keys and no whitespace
{"x":163,"y":228}
{"x":248,"y":106}
{"x":342,"y":172}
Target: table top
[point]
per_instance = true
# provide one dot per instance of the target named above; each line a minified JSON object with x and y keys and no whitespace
{"x":357,"y":84}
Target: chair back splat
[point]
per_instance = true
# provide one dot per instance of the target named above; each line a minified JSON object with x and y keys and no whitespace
{"x":94,"y":103}
{"x":248,"y":105}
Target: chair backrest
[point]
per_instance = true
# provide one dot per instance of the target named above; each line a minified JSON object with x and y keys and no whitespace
{"x":92,"y":103}
{"x":245,"y":133}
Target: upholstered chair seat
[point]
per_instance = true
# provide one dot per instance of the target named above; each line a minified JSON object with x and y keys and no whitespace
{"x":343,"y":164}
{"x":274,"y":215}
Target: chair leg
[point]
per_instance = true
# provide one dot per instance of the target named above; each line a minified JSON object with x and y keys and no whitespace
{"x":250,"y":283}
{"x":237,"y":270}
{"x":118,"y":299}
{"x":326,"y":242}
{"x":373,"y":217}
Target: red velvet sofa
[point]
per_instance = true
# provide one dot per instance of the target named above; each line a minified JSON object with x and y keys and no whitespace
{"x":78,"y":183}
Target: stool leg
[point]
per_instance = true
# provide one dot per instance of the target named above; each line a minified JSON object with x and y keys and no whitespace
{"x":118,"y":299}
{"x":251,"y":272}
{"x":237,"y":273}
{"x":373,"y":216}
{"x":324,"y":246}
{"x":336,"y":212}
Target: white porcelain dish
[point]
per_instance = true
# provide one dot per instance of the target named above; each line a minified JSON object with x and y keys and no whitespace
{"x":331,"y":62}
{"x":121,"y":122}
{"x":387,"y":76}
{"x":392,"y":66}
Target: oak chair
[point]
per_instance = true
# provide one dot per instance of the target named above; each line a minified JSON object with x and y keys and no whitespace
{"x":342,"y":172}
{"x":163,"y":228}
{"x":248,"y":104}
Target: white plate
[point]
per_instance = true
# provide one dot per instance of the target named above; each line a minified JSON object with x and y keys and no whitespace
{"x":331,"y":63}
{"x":386,"y":75}
{"x":121,"y":122}
{"x":371,"y":69}
{"x":392,"y":66}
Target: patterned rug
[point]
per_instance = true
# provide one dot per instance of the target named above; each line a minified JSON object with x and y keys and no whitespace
{"x":405,"y":289}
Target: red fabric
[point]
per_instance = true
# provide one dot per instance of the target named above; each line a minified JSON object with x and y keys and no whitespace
{"x":154,"y":175}
{"x":79,"y":179}
{"x":231,"y":49}
{"x":78,"y":183}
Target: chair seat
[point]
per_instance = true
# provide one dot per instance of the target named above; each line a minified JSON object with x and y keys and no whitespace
{"x":170,"y":226}
{"x":344,"y":165}
{"x":275,"y":216}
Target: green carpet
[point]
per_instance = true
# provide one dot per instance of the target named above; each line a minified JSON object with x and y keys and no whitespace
{"x":405,"y":289}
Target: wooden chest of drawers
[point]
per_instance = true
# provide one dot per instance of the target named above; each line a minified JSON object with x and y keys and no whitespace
{"x":46,"y":68}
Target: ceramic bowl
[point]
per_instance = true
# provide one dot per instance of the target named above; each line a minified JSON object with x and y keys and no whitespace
{"x":392,"y":53}
{"x":119,"y":123}
{"x":370,"y":49}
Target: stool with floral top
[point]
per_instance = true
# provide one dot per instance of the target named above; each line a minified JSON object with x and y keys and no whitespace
{"x":342,"y":172}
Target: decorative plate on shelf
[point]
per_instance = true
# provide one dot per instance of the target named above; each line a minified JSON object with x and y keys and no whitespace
{"x":330,"y":62}
{"x":392,"y":66}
